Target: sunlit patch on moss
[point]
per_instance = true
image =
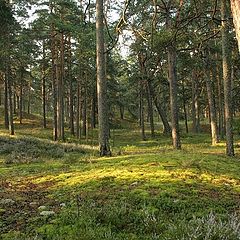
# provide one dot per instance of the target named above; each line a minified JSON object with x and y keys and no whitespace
{"x":145,"y":188}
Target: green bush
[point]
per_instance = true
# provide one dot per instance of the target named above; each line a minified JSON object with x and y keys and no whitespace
{"x":26,"y":150}
{"x":210,"y":227}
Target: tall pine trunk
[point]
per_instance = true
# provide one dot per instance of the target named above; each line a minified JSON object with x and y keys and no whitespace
{"x":173,"y":96}
{"x":212,"y":109}
{"x":162,"y":114}
{"x":29,"y":98}
{"x":93,"y":109}
{"x":78,"y":113}
{"x":54,"y":79}
{"x":103,"y":119}
{"x":44,"y":87}
{"x":10,"y":101}
{"x":84,"y":110}
{"x":195,"y":104}
{"x":220,"y":103}
{"x":235,"y":6}
{"x":60,"y":87}
{"x":150,"y":108}
{"x":6,"y":118}
{"x":21,"y":96}
{"x":185,"y":107}
{"x":141,"y":111}
{"x":71,"y":93}
{"x":226,"y":56}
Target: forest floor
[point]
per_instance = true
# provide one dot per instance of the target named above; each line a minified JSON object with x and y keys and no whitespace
{"x":146,"y":190}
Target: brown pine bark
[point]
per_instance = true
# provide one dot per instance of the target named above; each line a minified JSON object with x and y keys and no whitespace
{"x":78,"y":113}
{"x":212,"y":109}
{"x":6,"y":118}
{"x":54,"y":78}
{"x":70,"y":79}
{"x":185,"y":107}
{"x":150,"y":108}
{"x":29,"y":98}
{"x":162,"y":114}
{"x":84,"y":111}
{"x":10,"y":101}
{"x":44,"y":87}
{"x":195,"y":104}
{"x":235,"y":6}
{"x":15,"y":100}
{"x":220,"y":102}
{"x":226,"y":56}
{"x":141,"y":112}
{"x":0,"y":96}
{"x":21,"y":96}
{"x":93,"y":109}
{"x":103,"y":118}
{"x":172,"y":75}
{"x":121,"y":110}
{"x":60,"y":88}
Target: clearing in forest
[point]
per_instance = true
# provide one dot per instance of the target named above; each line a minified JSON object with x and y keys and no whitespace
{"x":146,"y":190}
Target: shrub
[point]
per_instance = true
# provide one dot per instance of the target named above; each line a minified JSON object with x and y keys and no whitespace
{"x":26,"y":150}
{"x":210,"y":227}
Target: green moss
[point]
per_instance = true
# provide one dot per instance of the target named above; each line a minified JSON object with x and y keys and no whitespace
{"x":146,"y":190}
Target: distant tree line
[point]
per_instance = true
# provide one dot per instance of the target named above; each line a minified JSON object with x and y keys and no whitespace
{"x":66,"y":64}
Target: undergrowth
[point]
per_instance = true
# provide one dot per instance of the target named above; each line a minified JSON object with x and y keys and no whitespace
{"x":29,"y":149}
{"x":145,"y":191}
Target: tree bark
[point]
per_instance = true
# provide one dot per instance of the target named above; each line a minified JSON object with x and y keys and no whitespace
{"x":71,"y":94}
{"x":162,"y":114}
{"x":84,"y":111}
{"x":220,"y":103}
{"x":6,"y":118}
{"x":195,"y":104}
{"x":141,"y":112}
{"x":21,"y":96}
{"x":15,"y":103}
{"x":212,"y":109}
{"x":121,"y":110}
{"x":93,"y":109}
{"x":235,"y":6}
{"x":226,"y":55}
{"x":54,"y":79}
{"x":78,"y":113}
{"x":10,"y":103}
{"x":150,"y":108}
{"x":0,"y":96}
{"x":173,"y":96}
{"x":29,"y":99}
{"x":185,"y":108}
{"x":44,"y":87}
{"x":60,"y":87}
{"x":103,"y":118}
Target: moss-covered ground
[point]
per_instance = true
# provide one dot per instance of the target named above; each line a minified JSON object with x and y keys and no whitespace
{"x":146,"y":190}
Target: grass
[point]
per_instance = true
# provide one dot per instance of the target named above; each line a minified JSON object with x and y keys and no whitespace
{"x":146,"y":190}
